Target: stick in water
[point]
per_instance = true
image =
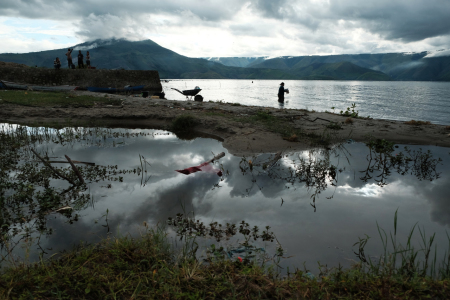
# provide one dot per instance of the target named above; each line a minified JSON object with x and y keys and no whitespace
{"x":75,"y":169}
{"x":53,"y":169}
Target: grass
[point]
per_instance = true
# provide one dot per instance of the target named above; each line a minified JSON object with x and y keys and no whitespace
{"x":334,"y":126}
{"x":272,"y":123}
{"x":418,"y":123}
{"x":285,"y":129}
{"x":148,"y":267}
{"x":406,"y":260}
{"x":31,"y":98}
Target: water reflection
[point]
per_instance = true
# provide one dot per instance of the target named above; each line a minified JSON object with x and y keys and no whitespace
{"x":134,"y":181}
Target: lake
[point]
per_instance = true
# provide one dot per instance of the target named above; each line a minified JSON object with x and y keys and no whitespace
{"x":317,"y":203}
{"x":393,"y":100}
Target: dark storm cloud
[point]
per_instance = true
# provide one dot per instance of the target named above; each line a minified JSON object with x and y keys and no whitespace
{"x":69,"y":9}
{"x":401,"y":19}
{"x":288,"y":10}
{"x":405,"y":19}
{"x":272,"y":9}
{"x":121,"y":19}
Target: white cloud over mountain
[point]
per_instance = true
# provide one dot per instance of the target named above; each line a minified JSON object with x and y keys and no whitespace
{"x":235,"y":28}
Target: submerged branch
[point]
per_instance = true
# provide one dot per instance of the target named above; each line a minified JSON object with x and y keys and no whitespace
{"x":75,"y":169}
{"x":53,"y":169}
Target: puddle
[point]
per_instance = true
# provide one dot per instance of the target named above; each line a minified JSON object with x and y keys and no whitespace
{"x":316,"y":202}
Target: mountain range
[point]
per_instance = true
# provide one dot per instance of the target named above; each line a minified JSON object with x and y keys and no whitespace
{"x":424,"y":66}
{"x":148,"y":55}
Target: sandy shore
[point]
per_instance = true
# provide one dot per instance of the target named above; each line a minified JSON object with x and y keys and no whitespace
{"x":227,"y":122}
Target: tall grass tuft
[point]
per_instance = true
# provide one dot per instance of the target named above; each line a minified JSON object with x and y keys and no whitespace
{"x":406,"y":260}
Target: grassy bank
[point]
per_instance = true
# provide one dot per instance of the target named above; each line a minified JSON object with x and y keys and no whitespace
{"x":31,"y":98}
{"x":283,"y":126}
{"x":148,"y":268}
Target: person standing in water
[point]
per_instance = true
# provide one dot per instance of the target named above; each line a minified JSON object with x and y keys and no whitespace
{"x":69,"y":57}
{"x":281,"y":92}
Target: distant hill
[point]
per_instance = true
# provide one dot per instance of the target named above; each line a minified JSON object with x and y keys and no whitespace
{"x":342,"y":70}
{"x":399,"y":66}
{"x":241,"y":62}
{"x":147,"y":55}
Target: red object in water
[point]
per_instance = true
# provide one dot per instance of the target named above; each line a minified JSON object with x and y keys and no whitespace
{"x":206,"y":167}
{"x":190,"y":170}
{"x":240,"y":259}
{"x":203,"y":167}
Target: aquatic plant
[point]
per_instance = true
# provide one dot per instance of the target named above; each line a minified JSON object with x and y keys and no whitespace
{"x":29,"y":193}
{"x":405,"y":260}
{"x":350,"y":112}
{"x":189,"y":229}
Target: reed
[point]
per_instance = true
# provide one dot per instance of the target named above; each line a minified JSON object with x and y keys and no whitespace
{"x":405,"y":260}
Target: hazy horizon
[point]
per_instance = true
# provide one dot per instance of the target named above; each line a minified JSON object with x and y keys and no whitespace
{"x":435,"y":53}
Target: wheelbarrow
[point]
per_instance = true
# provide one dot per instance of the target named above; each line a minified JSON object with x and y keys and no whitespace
{"x":191,"y":93}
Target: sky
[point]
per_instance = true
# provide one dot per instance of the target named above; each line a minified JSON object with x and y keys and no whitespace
{"x":232,"y":28}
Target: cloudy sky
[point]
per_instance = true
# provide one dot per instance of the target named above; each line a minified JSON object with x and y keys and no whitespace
{"x":202,"y":28}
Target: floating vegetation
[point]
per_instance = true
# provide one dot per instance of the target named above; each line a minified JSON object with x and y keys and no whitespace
{"x":189,"y":229}
{"x":189,"y":226}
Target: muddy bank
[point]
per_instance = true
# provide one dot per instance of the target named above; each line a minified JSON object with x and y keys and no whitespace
{"x":233,"y":124}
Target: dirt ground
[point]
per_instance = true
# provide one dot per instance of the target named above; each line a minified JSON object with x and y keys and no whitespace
{"x":224,"y":122}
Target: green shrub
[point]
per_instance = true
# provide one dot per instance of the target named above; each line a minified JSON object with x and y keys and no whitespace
{"x":184,"y":123}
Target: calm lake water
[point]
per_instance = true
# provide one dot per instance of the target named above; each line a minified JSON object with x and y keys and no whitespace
{"x":399,"y":100}
{"x":349,"y":198}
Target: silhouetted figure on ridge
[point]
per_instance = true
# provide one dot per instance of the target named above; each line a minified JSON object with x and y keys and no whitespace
{"x":69,"y":57}
{"x":80,"y":60}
